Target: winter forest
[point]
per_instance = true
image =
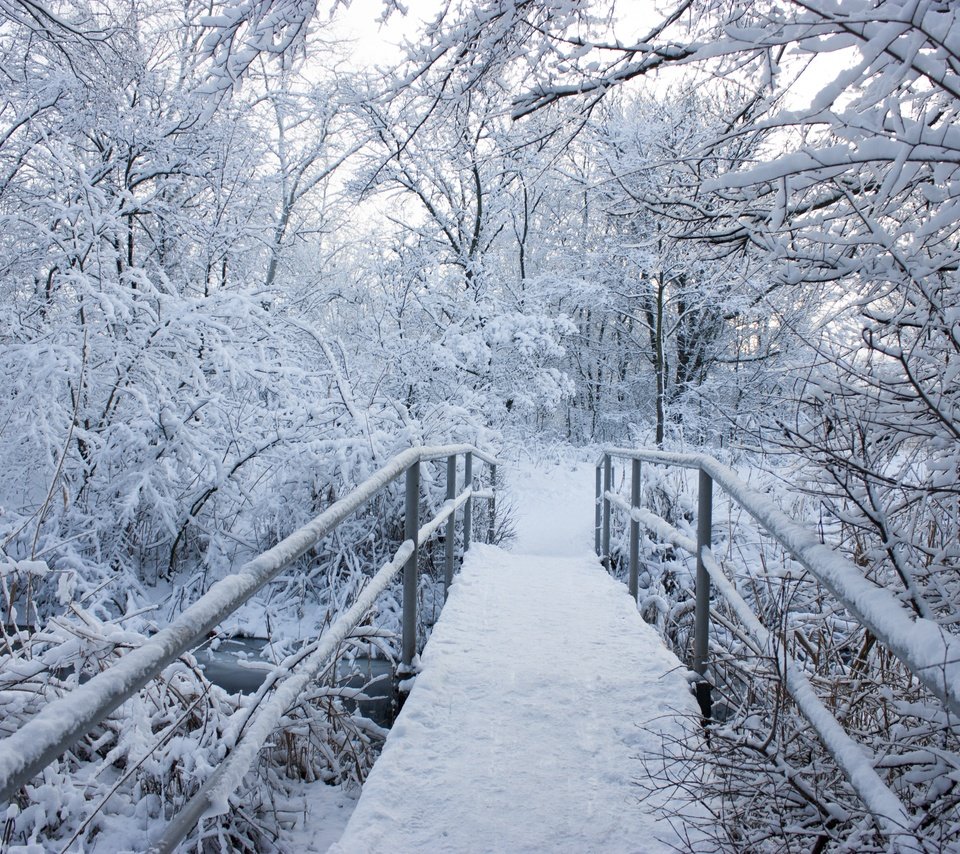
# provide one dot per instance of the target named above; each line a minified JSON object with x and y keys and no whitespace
{"x":244,"y":262}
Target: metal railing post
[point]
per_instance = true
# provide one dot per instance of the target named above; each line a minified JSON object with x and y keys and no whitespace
{"x":411,"y":525}
{"x":451,"y":535}
{"x":597,"y":510}
{"x":701,"y":631}
{"x":491,"y":528}
{"x":634,"y":584}
{"x":607,"y":486}
{"x":468,"y":504}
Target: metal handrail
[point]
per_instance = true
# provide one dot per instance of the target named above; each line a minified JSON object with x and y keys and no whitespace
{"x":932,"y":657}
{"x":920,"y":644}
{"x":62,"y":722}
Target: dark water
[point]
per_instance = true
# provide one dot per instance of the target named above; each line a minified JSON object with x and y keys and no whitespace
{"x":238,"y":665}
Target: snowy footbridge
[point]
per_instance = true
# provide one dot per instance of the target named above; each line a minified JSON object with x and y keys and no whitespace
{"x":540,"y":693}
{"x":541,"y":689}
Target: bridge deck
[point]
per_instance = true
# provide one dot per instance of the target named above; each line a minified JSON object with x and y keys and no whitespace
{"x":541,"y":688}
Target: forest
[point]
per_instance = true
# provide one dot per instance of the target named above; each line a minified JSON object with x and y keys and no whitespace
{"x":241,"y":267}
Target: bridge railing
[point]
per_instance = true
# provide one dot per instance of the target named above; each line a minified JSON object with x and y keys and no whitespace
{"x":65,"y":720}
{"x":930,"y":654}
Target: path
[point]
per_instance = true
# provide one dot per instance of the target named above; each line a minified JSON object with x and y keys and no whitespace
{"x":540,"y":690}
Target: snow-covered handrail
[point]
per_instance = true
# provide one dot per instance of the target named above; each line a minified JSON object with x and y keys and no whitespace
{"x":924,"y":648}
{"x":851,"y":757}
{"x":62,"y":722}
{"x":931,"y":654}
{"x":213,"y":798}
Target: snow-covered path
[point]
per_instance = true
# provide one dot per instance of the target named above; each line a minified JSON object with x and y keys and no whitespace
{"x":540,"y":689}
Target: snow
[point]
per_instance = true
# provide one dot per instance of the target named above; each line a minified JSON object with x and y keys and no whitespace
{"x":328,"y":809}
{"x":554,"y":502}
{"x":539,"y":693}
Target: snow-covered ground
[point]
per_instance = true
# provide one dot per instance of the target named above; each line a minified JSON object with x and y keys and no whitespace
{"x":553,"y":503}
{"x":541,"y":690}
{"x":326,"y":812}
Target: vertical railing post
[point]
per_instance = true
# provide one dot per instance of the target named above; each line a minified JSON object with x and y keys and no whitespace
{"x":634,"y":530}
{"x":411,"y":525}
{"x":451,"y":525}
{"x":607,"y":486}
{"x":491,"y":528}
{"x":468,"y":504}
{"x":598,"y":512}
{"x":701,"y":631}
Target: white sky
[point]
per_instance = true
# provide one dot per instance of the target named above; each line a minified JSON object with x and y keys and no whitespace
{"x":379,"y":44}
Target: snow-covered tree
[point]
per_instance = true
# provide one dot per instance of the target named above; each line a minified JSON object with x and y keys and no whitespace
{"x":845,"y":205}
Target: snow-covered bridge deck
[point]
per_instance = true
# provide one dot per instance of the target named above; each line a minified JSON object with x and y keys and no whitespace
{"x":541,"y":690}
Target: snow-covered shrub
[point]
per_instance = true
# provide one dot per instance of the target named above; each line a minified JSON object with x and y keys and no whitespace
{"x":123,"y":780}
{"x":137,"y":766}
